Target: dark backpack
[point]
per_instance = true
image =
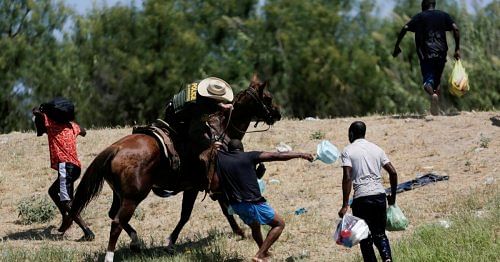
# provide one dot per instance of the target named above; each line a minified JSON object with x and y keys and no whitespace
{"x":60,"y":110}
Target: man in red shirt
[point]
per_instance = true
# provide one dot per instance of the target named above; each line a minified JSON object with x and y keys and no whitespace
{"x":63,"y":159}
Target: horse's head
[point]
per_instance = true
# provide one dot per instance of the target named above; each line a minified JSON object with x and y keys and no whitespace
{"x":258,"y":101}
{"x":217,"y":123}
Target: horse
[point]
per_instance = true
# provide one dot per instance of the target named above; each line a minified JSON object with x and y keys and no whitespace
{"x":133,"y":165}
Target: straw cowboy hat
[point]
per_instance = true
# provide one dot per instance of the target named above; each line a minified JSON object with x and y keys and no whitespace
{"x":215,"y":88}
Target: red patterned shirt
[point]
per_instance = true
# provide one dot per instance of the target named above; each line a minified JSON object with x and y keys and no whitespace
{"x":62,"y":142}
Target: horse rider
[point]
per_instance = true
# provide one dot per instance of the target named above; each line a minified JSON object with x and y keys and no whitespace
{"x":188,"y":111}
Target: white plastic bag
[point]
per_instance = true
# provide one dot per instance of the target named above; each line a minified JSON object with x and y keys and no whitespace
{"x":350,"y":230}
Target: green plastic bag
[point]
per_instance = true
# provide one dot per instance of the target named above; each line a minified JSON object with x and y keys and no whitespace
{"x":396,"y":220}
{"x":459,"y":80}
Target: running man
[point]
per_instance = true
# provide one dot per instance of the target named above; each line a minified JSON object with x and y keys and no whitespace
{"x":430,"y":28}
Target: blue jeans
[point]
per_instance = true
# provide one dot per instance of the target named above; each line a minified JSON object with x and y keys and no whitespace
{"x":432,"y":69}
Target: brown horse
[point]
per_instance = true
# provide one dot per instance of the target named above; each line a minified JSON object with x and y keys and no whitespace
{"x":133,"y":165}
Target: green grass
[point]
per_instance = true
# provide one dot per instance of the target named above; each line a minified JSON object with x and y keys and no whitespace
{"x":208,"y":248}
{"x":471,"y":236}
{"x":45,"y":253}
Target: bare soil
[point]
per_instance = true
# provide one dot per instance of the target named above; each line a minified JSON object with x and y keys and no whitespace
{"x":466,"y":147}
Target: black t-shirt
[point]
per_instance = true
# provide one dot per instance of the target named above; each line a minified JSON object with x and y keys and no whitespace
{"x":430,"y":28}
{"x":236,"y":171}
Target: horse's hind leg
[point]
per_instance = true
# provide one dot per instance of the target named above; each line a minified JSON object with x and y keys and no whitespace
{"x":115,"y":206}
{"x":230,"y":218}
{"x":120,"y":222}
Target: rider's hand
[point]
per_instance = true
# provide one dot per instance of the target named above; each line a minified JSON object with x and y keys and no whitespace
{"x":396,"y":51}
{"x":226,"y":106}
{"x":457,"y":54}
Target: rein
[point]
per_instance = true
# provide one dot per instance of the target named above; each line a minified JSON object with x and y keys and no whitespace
{"x":264,"y":107}
{"x":248,"y":132}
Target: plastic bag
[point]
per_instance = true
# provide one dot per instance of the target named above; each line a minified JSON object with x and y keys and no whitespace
{"x":262,"y":185}
{"x":350,"y":230}
{"x":396,"y":220}
{"x":459,"y":80}
{"x":327,"y":152}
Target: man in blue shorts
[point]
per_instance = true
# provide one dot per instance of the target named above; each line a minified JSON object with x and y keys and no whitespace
{"x":430,"y":28}
{"x":238,"y":179}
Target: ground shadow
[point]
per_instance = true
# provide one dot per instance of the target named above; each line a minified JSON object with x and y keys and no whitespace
{"x":194,"y":249}
{"x":42,"y":233}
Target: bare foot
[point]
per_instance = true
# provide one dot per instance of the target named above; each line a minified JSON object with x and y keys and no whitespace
{"x":266,"y":258}
{"x":434,"y":105}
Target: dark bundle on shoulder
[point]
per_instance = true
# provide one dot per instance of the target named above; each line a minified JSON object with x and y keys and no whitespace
{"x":60,"y":110}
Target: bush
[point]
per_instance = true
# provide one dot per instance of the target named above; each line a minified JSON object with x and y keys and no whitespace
{"x":36,"y":209}
{"x":317,"y":135}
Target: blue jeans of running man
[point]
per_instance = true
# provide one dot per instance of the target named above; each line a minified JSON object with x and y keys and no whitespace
{"x":373,"y":210}
{"x":251,"y":213}
{"x":431,"y":70}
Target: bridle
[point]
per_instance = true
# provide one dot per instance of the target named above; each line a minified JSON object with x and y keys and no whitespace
{"x":268,"y":116}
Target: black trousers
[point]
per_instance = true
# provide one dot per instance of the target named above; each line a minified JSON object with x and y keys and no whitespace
{"x":373,"y":210}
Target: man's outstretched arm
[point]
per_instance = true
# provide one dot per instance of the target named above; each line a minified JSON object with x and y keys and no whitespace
{"x":402,"y":33}
{"x":276,"y":156}
{"x":393,"y":178}
{"x":456,"y":36}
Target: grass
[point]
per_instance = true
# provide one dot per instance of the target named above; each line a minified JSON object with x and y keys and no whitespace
{"x":200,"y":248}
{"x":471,"y":236}
{"x":44,"y":253}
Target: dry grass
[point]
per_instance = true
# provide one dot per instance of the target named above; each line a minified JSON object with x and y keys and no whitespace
{"x":452,"y":145}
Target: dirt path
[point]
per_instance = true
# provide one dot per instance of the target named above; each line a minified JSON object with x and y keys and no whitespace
{"x":465,"y":147}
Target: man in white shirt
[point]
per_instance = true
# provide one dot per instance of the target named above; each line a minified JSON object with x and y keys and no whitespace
{"x":361,"y":163}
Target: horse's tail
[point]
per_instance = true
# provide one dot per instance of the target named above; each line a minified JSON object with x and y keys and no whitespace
{"x":92,"y":181}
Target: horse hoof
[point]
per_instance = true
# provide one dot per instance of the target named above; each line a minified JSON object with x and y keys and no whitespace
{"x":135,"y":247}
{"x":170,"y":249}
{"x":65,"y":224}
{"x":89,"y":236}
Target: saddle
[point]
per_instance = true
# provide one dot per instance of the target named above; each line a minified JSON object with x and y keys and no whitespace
{"x":162,"y":132}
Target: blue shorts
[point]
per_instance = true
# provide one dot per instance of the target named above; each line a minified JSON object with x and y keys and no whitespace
{"x":250,"y":213}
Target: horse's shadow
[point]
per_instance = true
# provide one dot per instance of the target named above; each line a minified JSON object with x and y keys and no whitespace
{"x":41,"y":233}
{"x":194,"y":249}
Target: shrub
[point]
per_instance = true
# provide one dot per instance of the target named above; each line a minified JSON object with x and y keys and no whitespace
{"x":317,"y":135}
{"x":484,"y":141}
{"x":36,"y":209}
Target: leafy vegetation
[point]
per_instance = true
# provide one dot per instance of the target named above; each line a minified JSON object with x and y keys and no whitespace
{"x":317,"y":135}
{"x":121,"y":64}
{"x":36,"y":209}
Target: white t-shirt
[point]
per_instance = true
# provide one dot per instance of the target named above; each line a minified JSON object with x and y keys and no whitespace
{"x":366,"y":160}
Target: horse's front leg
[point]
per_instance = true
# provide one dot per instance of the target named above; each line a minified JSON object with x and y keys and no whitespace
{"x":188,"y":199}
{"x":230,"y":218}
